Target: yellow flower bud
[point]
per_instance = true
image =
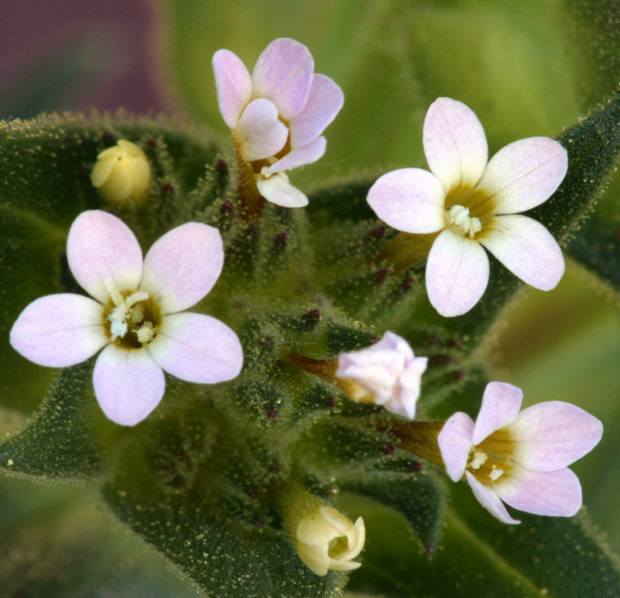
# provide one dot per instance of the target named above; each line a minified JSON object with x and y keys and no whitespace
{"x":326,"y":539}
{"x":122,"y":173}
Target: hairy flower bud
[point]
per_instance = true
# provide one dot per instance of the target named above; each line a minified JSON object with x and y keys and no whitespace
{"x":122,"y":173}
{"x":326,"y":539}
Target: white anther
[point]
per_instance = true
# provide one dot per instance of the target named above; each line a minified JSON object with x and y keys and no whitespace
{"x":459,"y":216}
{"x":479,"y":460}
{"x":146,"y":333}
{"x":496,"y":473}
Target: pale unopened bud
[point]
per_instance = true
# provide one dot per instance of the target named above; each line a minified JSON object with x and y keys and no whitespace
{"x":122,"y":173}
{"x":387,"y":374}
{"x":326,"y":539}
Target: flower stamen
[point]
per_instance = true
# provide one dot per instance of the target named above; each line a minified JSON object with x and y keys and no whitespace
{"x":458,"y":216}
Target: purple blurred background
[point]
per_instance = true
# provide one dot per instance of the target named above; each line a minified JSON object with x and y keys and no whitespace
{"x":74,"y":54}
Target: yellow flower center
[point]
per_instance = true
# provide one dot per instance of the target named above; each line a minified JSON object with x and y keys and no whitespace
{"x":469,"y":211}
{"x":492,"y":458}
{"x":131,"y":319}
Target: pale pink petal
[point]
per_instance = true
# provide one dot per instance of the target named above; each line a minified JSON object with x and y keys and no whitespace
{"x":409,"y":199}
{"x":455,"y":442}
{"x":197,"y":348}
{"x":234,"y":85}
{"x":457,"y":274}
{"x":455,"y":144}
{"x":300,"y":156}
{"x":554,"y":493}
{"x":527,"y":249}
{"x":283,"y":74}
{"x":500,"y":406}
{"x":128,"y":384}
{"x":259,"y":133}
{"x":393,"y":342}
{"x":182,"y":266}
{"x":324,"y":103}
{"x":59,"y":330}
{"x":278,"y":190}
{"x":524,"y":174}
{"x":102,"y":250}
{"x":489,"y":499}
{"x":553,"y":434}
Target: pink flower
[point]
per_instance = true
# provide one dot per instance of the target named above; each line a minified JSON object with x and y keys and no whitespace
{"x":134,"y":316}
{"x":520,"y":458}
{"x":277,"y":114}
{"x":387,"y":374}
{"x":471,"y":203}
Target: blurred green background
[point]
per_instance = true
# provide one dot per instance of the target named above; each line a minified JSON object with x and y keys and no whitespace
{"x":526,"y":67}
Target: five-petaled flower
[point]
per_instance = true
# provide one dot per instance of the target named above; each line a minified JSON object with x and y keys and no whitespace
{"x":520,"y":458}
{"x":466,"y":202}
{"x":326,"y":539}
{"x":134,"y":316}
{"x":277,"y":113}
{"x":387,"y":374}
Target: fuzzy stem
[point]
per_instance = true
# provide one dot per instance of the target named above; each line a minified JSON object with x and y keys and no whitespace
{"x":420,"y":438}
{"x":252,"y":202}
{"x":406,"y":250}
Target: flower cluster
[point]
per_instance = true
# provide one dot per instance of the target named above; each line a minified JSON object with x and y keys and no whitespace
{"x":135,"y":314}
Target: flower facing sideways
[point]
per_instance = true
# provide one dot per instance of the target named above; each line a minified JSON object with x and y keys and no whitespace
{"x":467,"y":204}
{"x":387,"y":374}
{"x":326,"y":539}
{"x":276,"y":114}
{"x":520,"y":458}
{"x":134,"y":315}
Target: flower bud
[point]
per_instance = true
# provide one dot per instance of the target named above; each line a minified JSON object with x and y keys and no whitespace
{"x":122,"y":173}
{"x":387,"y":374}
{"x":326,"y":539}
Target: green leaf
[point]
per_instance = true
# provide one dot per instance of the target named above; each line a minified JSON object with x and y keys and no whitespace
{"x":418,"y":496}
{"x":597,"y":247}
{"x":58,"y":443}
{"x":214,"y":525}
{"x":479,"y":556}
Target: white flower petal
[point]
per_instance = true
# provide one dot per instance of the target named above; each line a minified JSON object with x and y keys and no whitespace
{"x":283,"y":74}
{"x":552,"y":493}
{"x":278,"y":190}
{"x":455,"y":442}
{"x":527,"y":249}
{"x":457,"y":274}
{"x":60,"y":330}
{"x":259,"y":132}
{"x":409,"y":199}
{"x":182,"y":266}
{"x":489,"y":499}
{"x":501,"y":403}
{"x":197,"y":348}
{"x":455,"y":144}
{"x":101,"y":249}
{"x":552,"y":435}
{"x":324,"y":103}
{"x":301,"y":156}
{"x":524,"y":174}
{"x":234,"y":85}
{"x":128,"y":384}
